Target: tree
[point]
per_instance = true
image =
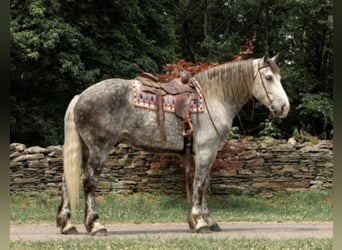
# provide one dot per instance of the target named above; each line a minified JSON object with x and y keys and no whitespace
{"x":300,"y":31}
{"x":45,"y":61}
{"x":308,"y":66}
{"x":58,"y":48}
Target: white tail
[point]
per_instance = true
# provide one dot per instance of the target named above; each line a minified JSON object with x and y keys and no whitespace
{"x":72,"y":155}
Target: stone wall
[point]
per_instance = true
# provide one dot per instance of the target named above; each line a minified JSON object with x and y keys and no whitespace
{"x":244,"y":165}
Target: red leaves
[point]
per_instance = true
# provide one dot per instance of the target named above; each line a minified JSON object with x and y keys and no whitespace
{"x":172,"y":70}
{"x":247,"y":48}
{"x":229,"y":157}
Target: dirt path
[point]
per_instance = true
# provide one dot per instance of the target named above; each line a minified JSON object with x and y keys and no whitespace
{"x":180,"y":230}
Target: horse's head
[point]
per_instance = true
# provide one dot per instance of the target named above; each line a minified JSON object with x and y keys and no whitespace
{"x":267,"y":87}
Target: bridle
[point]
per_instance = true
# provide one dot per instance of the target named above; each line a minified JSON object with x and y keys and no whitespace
{"x":194,"y":82}
{"x":263,"y":84}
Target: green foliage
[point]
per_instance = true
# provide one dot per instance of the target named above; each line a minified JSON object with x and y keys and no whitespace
{"x":234,"y":133}
{"x":302,"y":136}
{"x":316,"y":106}
{"x":269,"y":130}
{"x":58,"y":48}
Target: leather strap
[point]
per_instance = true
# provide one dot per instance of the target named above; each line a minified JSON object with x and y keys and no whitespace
{"x":160,"y":119}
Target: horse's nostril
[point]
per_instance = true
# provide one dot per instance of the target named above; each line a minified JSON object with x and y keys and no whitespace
{"x":284,"y":110}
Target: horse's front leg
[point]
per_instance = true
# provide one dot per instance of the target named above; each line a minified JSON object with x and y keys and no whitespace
{"x":91,"y":174}
{"x":199,"y":218}
{"x":212,"y":224}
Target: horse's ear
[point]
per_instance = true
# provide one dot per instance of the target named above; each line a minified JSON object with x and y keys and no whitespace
{"x":265,"y":57}
{"x":275,"y":58}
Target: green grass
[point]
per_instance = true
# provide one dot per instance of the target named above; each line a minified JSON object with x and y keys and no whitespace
{"x":28,"y":208}
{"x":174,"y":244}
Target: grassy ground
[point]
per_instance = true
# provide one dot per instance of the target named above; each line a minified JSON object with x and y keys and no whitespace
{"x":174,"y":244}
{"x":150,"y":208}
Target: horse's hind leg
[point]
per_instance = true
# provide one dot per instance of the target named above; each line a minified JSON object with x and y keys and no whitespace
{"x":91,"y":173}
{"x":64,"y":213}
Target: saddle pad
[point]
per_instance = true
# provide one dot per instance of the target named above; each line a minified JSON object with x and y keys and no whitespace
{"x":149,"y":100}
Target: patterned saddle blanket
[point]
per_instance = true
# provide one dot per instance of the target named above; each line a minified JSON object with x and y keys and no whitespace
{"x":145,"y":98}
{"x":176,"y":96}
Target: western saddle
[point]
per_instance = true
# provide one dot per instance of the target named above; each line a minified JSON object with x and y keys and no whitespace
{"x":185,"y":88}
{"x":181,"y":88}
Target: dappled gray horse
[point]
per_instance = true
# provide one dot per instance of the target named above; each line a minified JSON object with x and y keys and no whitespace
{"x":104,"y":115}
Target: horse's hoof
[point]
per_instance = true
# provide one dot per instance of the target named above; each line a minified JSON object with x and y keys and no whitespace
{"x":100,"y":232}
{"x":70,"y":230}
{"x":215,"y":228}
{"x":203,"y":230}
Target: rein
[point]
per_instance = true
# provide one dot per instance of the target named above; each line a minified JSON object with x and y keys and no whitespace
{"x":188,"y":139}
{"x":198,"y":88}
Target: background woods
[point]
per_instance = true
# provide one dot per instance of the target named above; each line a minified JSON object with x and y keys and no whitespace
{"x":60,"y":47}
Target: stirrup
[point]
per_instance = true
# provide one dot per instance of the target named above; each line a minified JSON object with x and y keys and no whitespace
{"x":187,"y":128}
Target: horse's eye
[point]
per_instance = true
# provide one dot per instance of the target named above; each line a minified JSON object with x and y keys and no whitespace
{"x":269,"y":78}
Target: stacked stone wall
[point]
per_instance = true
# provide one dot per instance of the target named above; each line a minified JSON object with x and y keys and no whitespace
{"x":244,"y":165}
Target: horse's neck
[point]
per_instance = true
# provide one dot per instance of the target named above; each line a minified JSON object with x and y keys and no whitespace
{"x":235,"y":107}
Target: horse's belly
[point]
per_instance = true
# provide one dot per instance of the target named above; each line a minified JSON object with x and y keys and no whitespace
{"x":143,"y":131}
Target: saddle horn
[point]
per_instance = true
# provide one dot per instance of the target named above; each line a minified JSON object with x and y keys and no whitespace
{"x":184,"y":76}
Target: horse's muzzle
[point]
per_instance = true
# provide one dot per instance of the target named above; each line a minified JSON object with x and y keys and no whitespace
{"x":284,"y":111}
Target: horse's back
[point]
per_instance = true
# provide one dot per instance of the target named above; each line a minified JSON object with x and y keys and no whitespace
{"x":105,"y":91}
{"x":105,"y":116}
